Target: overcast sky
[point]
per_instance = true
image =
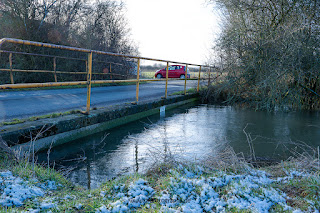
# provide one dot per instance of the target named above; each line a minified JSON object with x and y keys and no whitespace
{"x":176,"y":30}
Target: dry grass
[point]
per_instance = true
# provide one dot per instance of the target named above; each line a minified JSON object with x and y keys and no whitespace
{"x":6,"y":152}
{"x":303,"y":163}
{"x":227,"y":160}
{"x":146,"y":74}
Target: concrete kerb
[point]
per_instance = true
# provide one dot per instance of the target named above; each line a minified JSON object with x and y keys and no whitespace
{"x":80,"y":126}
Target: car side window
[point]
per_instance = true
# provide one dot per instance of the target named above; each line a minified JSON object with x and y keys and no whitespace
{"x":171,"y":68}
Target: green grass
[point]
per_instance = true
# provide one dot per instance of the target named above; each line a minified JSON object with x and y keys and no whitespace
{"x":302,"y":189}
{"x":12,"y":122}
{"x":27,"y":170}
{"x":147,"y":75}
{"x":189,"y":91}
{"x":34,"y":118}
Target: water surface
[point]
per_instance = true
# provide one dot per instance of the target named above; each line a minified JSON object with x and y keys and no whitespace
{"x":186,"y":134}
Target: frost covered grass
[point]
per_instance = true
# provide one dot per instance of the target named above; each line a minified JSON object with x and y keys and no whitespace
{"x":285,"y":187}
{"x":27,"y":170}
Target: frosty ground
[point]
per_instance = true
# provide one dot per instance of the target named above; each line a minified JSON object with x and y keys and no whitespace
{"x":175,"y":188}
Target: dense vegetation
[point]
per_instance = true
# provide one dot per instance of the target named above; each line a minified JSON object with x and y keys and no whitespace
{"x":98,"y":25}
{"x":269,"y":51}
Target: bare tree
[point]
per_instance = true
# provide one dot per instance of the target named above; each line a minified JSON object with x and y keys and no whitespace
{"x":99,"y":25}
{"x":270,"y":50}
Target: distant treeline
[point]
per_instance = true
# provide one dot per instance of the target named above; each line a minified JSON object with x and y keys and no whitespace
{"x":270,"y":51}
{"x":98,"y":25}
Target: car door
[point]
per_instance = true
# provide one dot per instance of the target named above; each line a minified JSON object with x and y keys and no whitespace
{"x":171,"y":71}
{"x":177,"y":71}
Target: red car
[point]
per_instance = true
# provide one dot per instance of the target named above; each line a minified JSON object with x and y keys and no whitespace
{"x":174,"y":71}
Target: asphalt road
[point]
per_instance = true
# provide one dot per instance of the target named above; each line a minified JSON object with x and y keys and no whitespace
{"x":22,"y":104}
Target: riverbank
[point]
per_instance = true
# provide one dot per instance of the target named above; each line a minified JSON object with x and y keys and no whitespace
{"x":225,"y":186}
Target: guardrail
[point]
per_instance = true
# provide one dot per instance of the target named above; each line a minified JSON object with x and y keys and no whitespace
{"x":54,"y":71}
{"x":89,"y":71}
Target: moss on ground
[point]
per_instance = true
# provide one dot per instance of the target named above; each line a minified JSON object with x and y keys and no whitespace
{"x":35,"y":118}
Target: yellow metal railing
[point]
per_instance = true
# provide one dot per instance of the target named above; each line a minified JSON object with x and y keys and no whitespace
{"x":54,"y":71}
{"x":89,"y":72}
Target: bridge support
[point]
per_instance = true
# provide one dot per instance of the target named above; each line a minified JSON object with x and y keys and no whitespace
{"x":89,"y":82}
{"x":55,"y":69}
{"x":167,"y":75}
{"x":209,"y":76}
{"x":137,"y":84}
{"x":11,"y":75}
{"x":185,"y":80}
{"x":199,"y":79}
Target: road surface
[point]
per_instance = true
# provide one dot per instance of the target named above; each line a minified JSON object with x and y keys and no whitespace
{"x":23,"y":104}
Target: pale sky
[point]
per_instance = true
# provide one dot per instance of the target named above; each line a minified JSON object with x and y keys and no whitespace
{"x":176,"y":30}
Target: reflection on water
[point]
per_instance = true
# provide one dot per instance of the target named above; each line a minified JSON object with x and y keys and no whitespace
{"x":190,"y":134}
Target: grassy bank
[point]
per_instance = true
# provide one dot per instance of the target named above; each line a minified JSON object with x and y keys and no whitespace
{"x":229,"y":185}
{"x":35,"y":118}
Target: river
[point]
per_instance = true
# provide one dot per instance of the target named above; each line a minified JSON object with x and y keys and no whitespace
{"x":189,"y":133}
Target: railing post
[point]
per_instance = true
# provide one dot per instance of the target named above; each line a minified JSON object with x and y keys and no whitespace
{"x":209,"y":76}
{"x":167,"y":75}
{"x":89,"y":74}
{"x":185,"y":80}
{"x":11,"y":74}
{"x":199,"y":79}
{"x":137,"y":84}
{"x":110,"y":72}
{"x":55,"y":69}
{"x":87,"y":66}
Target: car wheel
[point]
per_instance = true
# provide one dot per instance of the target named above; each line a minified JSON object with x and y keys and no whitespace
{"x":182,"y":76}
{"x":159,"y":76}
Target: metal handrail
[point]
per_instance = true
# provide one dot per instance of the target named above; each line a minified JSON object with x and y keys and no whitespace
{"x":89,"y":72}
{"x":54,"y":62}
{"x":62,"y":47}
{"x":60,"y":72}
{"x":42,"y":55}
{"x":55,"y":56}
